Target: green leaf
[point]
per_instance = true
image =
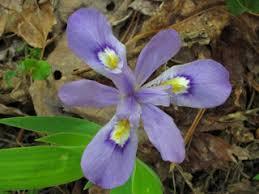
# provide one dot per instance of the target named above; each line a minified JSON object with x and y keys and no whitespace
{"x":39,"y":167}
{"x":88,"y":185}
{"x":53,"y":124}
{"x":38,"y":69}
{"x":41,"y":70}
{"x":235,"y":7}
{"x":35,"y":53}
{"x":4,"y":192}
{"x":27,"y":65}
{"x":256,"y":177}
{"x":8,"y":77}
{"x":33,"y":191}
{"x":238,"y":7}
{"x":250,"y":5}
{"x":67,"y":139}
{"x":125,"y":189}
{"x":143,"y":180}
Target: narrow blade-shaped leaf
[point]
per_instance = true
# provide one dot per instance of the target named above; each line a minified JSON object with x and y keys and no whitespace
{"x":53,"y":124}
{"x":88,"y":185}
{"x":67,"y":139}
{"x":235,"y":7}
{"x":39,"y":167}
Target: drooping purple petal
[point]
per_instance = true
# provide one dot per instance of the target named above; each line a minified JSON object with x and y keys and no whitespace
{"x":88,"y":93}
{"x":158,"y":51}
{"x":163,"y":133}
{"x":158,"y":96}
{"x":105,"y":163}
{"x":209,"y":84}
{"x":109,"y":159}
{"x":88,"y":34}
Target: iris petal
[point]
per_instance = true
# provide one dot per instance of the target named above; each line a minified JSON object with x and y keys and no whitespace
{"x":89,"y":34}
{"x":208,"y":84}
{"x":90,"y":37}
{"x":109,"y":159}
{"x":163,"y":133}
{"x":88,"y":93}
{"x":106,"y":164}
{"x":158,"y":51}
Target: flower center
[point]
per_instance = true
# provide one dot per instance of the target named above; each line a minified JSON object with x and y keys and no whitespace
{"x":121,"y":132}
{"x":180,"y":84}
{"x":109,"y":58}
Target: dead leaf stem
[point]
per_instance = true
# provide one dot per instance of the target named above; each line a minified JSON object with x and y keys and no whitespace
{"x":195,"y":123}
{"x":126,"y":33}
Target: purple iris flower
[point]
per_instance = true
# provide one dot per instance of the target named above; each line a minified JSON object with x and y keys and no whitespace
{"x":109,"y":158}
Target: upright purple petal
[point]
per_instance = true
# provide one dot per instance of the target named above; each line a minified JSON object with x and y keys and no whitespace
{"x":205,"y":83}
{"x":158,"y":96}
{"x":105,"y":163}
{"x":163,"y":133}
{"x":90,"y":37}
{"x":124,"y":81}
{"x":88,"y":93}
{"x":158,"y":51}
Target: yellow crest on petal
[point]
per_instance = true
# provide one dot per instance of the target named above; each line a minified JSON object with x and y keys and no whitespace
{"x":179,"y":84}
{"x":121,"y":132}
{"x":109,"y":58}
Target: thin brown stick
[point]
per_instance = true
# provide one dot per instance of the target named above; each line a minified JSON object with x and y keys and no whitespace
{"x":20,"y":137}
{"x":125,"y":35}
{"x":190,"y":132}
{"x":134,"y":27}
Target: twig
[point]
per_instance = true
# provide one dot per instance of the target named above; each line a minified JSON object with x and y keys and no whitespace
{"x":174,"y":185}
{"x":190,"y":132}
{"x":135,"y":27}
{"x":185,"y":179}
{"x":125,"y":35}
{"x":20,"y":137}
{"x":195,"y":123}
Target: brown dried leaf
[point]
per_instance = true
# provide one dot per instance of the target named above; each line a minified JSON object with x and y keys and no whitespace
{"x":5,"y":110}
{"x":205,"y":20}
{"x":163,"y":17}
{"x":12,"y":4}
{"x":3,"y":20}
{"x":33,"y":23}
{"x":208,"y":151}
{"x":145,"y":7}
{"x":204,"y":27}
{"x":191,"y":6}
{"x":240,"y":153}
{"x":243,"y":187}
{"x":200,"y":29}
{"x":97,"y":190}
{"x":117,"y":11}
